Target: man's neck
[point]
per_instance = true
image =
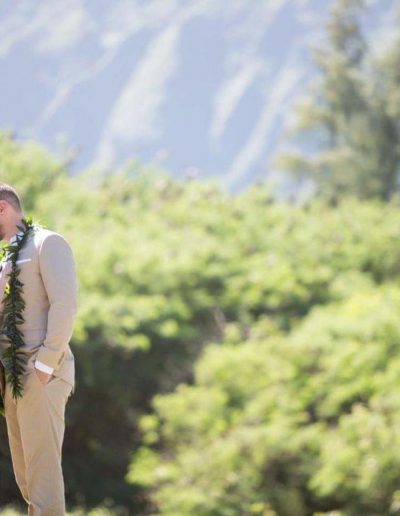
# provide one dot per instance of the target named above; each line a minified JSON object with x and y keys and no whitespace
{"x":12,"y":230}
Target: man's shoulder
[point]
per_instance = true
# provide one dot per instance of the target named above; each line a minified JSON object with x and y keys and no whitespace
{"x":44,"y":235}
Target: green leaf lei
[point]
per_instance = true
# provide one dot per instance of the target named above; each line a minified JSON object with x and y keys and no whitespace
{"x":14,"y":360}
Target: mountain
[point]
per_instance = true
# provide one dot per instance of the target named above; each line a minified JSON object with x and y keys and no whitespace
{"x":200,"y":87}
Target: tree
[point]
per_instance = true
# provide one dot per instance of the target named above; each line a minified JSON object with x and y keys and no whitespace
{"x":346,"y":124}
{"x":30,"y":167}
{"x":282,"y":425}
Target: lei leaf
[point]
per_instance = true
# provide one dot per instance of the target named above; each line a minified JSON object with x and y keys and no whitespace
{"x":14,"y":360}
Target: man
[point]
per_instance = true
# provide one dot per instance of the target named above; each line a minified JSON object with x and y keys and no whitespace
{"x":35,"y":421}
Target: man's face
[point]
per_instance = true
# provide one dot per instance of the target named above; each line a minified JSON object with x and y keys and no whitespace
{"x":4,"y":216}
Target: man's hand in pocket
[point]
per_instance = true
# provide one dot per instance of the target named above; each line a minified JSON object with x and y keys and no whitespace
{"x":43,"y":377}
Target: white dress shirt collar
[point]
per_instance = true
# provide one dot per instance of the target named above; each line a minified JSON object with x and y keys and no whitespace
{"x":14,"y":237}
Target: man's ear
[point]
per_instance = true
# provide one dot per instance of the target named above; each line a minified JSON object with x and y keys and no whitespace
{"x":3,"y":207}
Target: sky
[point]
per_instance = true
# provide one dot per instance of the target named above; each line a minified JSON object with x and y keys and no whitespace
{"x":199,"y":87}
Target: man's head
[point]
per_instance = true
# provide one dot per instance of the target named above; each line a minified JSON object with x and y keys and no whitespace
{"x":10,"y":209}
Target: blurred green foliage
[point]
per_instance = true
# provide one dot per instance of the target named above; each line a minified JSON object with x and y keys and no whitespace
{"x":299,"y":423}
{"x":234,"y":354}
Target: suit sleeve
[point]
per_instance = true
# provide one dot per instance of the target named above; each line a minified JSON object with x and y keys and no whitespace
{"x":58,"y":272}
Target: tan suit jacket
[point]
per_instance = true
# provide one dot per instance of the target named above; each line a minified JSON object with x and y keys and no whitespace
{"x":50,"y":291}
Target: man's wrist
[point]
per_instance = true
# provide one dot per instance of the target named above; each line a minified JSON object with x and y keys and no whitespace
{"x":43,"y":367}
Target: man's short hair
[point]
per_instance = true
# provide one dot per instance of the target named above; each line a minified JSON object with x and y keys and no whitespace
{"x":9,"y":194}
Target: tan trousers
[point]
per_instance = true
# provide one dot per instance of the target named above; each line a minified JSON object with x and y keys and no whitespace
{"x":35,"y":427}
